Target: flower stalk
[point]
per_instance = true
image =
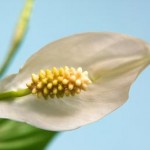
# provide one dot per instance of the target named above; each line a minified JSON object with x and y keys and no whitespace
{"x":13,"y":94}
{"x":18,"y":36}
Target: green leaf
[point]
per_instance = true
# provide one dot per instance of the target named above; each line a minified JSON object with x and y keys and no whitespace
{"x":20,"y":136}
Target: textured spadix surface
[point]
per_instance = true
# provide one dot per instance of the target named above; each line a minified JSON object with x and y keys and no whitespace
{"x":113,"y":62}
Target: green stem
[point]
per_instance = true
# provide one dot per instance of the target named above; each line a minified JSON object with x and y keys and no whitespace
{"x":13,"y":94}
{"x":18,"y":36}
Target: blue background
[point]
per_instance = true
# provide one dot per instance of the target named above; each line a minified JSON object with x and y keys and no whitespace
{"x":129,"y":126}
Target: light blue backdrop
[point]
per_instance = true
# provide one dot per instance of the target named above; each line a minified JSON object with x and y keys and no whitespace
{"x":128,"y":128}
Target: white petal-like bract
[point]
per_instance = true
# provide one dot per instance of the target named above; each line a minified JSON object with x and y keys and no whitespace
{"x":113,"y":62}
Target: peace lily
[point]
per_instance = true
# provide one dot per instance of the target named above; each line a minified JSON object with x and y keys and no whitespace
{"x":74,"y":81}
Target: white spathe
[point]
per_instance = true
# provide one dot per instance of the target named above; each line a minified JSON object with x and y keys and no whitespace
{"x":113,"y":62}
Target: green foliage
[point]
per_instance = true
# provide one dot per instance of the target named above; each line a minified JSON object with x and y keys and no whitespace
{"x":21,"y":136}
